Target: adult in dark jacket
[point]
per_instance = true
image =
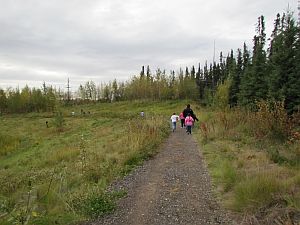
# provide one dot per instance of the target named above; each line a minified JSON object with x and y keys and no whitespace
{"x":188,"y":110}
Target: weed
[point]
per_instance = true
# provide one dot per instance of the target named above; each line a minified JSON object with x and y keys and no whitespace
{"x":83,"y":154}
{"x":204,"y":131}
{"x":98,"y":205}
{"x":25,"y":208}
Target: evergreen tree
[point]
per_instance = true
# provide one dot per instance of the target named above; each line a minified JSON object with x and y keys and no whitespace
{"x":230,"y":67}
{"x":142,"y":73}
{"x":198,"y":74}
{"x":291,"y":65}
{"x":3,"y":101}
{"x":187,"y":73}
{"x":148,"y":73}
{"x":254,"y":82}
{"x":193,"y":73}
{"x":276,"y":66}
{"x":200,"y":82}
{"x":205,"y":75}
{"x":246,"y":58}
{"x":235,"y":80}
{"x":222,"y":68}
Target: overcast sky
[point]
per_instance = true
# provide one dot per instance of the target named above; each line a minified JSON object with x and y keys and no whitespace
{"x":100,"y":40}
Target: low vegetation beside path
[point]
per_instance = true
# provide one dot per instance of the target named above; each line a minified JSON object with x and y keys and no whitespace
{"x":254,"y":161}
{"x":57,"y":172}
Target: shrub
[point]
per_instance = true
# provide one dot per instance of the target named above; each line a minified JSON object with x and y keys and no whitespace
{"x":270,"y":120}
{"x":221,"y":97}
{"x":59,"y":121}
{"x":96,"y":203}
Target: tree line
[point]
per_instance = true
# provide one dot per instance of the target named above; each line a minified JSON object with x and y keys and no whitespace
{"x":28,"y":99}
{"x":267,"y":72}
{"x":270,"y":71}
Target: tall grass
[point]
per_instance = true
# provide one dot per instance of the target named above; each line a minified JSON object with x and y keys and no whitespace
{"x":253,"y":157}
{"x":70,"y":170}
{"x":7,"y":143}
{"x":257,"y":190}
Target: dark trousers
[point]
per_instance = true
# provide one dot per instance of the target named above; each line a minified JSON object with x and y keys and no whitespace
{"x":182,"y":122}
{"x":189,"y":129}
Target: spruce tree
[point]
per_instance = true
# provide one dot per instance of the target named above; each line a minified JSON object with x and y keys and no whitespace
{"x":291,"y":65}
{"x":216,"y":75}
{"x":193,"y":72}
{"x":254,"y":82}
{"x":187,"y":73}
{"x":200,"y":82}
{"x":293,"y":95}
{"x":235,"y":80}
{"x":246,"y":57}
{"x":142,"y":73}
{"x":275,"y":64}
{"x":229,"y":66}
{"x":148,"y":73}
{"x":3,"y":101}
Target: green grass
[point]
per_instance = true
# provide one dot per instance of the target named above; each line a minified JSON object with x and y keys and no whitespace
{"x":74,"y":164}
{"x":256,"y":191}
{"x":249,"y":173}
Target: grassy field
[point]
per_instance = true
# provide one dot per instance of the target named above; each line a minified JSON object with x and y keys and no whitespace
{"x":255,"y":171}
{"x":58,"y":174}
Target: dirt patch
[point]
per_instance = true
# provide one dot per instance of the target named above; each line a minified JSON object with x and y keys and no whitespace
{"x":172,"y":188}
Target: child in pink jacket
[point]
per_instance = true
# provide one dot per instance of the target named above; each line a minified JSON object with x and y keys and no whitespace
{"x":182,"y":119}
{"x":189,"y":121}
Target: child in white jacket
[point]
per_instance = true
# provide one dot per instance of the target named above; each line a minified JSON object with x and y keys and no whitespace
{"x":174,"y":118}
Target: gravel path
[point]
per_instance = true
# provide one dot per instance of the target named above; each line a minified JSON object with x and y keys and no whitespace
{"x":172,"y":188}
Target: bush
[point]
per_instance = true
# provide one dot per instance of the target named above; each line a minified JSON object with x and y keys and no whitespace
{"x":221,"y":97}
{"x":59,"y":121}
{"x":96,"y":204}
{"x":270,"y":120}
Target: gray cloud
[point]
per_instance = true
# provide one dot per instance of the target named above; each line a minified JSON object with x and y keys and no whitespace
{"x":102,"y":40}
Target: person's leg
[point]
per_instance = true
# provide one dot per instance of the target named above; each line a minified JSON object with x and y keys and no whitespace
{"x":173,"y":126}
{"x":182,"y":123}
{"x":188,"y":128}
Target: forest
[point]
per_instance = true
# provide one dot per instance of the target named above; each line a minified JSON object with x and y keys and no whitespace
{"x":270,"y":71}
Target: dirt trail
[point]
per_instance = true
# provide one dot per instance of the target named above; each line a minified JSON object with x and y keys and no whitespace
{"x":172,"y":188}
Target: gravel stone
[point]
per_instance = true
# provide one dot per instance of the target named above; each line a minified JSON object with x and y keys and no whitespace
{"x":171,"y":188}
